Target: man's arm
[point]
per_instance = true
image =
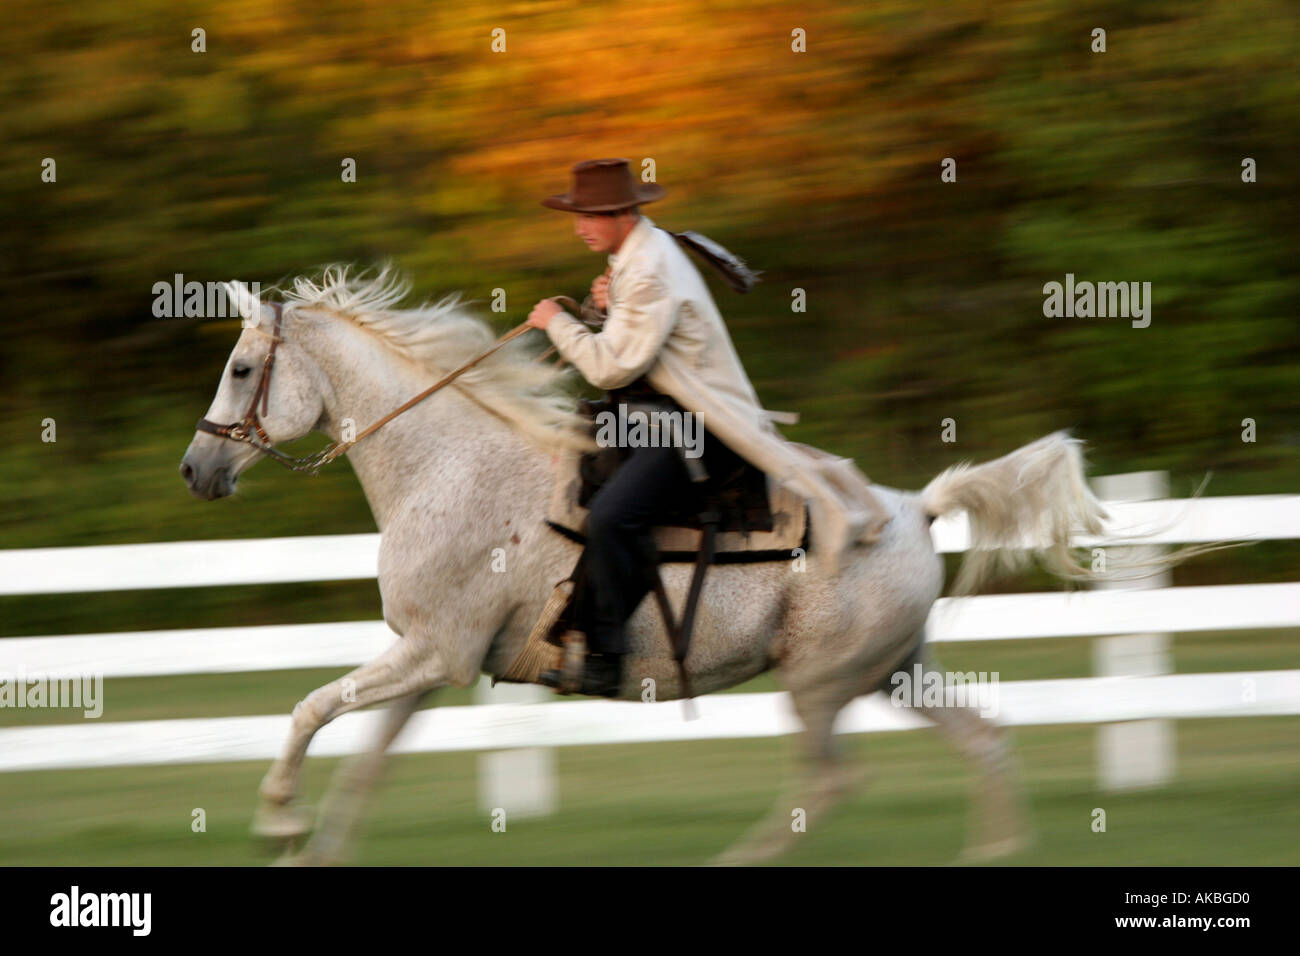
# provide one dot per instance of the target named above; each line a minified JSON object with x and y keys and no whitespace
{"x":628,"y":345}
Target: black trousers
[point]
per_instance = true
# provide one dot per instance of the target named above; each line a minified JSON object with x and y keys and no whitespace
{"x":621,"y":555}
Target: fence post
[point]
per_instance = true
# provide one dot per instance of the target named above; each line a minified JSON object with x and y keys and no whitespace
{"x":520,"y":781}
{"x":1134,"y":753}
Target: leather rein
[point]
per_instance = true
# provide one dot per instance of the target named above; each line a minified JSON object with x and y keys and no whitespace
{"x":249,"y":428}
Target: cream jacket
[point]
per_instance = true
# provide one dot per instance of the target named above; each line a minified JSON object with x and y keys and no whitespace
{"x":662,"y":323}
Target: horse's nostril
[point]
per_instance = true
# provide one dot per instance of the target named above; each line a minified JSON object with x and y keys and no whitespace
{"x":187,"y":472}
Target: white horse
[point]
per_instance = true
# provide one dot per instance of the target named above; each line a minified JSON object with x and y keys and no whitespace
{"x":469,"y":470}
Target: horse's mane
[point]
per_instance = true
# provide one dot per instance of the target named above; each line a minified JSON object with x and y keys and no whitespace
{"x":531,"y":396}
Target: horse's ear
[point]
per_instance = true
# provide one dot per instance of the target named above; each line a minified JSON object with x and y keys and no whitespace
{"x":245,"y":302}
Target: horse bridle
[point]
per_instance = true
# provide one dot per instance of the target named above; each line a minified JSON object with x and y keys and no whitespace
{"x":249,"y":428}
{"x":243,"y":429}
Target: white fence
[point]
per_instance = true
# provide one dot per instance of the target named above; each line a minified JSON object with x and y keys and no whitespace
{"x":88,"y":743}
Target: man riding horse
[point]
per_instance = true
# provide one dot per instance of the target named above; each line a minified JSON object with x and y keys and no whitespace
{"x":664,"y":340}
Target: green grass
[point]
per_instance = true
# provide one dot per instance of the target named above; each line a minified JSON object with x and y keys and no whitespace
{"x":677,"y":804}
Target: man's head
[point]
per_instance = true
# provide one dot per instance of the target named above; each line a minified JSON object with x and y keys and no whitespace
{"x":604,"y":200}
{"x":605,"y":231}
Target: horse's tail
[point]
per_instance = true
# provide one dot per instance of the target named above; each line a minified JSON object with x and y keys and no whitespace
{"x":1027,"y":502}
{"x":1031,"y":502}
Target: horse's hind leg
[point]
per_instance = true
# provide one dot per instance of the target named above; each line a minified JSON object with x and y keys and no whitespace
{"x":351,"y":787}
{"x":1000,"y":814}
{"x":823,"y":780}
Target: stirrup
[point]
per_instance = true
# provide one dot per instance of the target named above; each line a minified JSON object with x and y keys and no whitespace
{"x":567,"y":677}
{"x":537,"y":654}
{"x":574,"y":662}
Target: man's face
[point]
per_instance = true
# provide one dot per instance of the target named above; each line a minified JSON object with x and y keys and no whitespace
{"x":603,"y":233}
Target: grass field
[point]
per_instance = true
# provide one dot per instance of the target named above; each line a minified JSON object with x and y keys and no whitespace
{"x":1233,"y":802}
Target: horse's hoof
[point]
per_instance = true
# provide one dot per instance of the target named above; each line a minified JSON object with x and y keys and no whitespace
{"x":282,"y":824}
{"x":994,"y":850}
{"x":752,"y":854}
{"x":728,"y":857}
{"x":305,"y":857}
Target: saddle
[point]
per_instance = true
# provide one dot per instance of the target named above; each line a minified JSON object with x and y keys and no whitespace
{"x":756,"y":519}
{"x":724,"y":481}
{"x":735,"y":515}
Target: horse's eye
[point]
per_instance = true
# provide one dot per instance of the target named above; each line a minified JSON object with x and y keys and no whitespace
{"x":240,"y":371}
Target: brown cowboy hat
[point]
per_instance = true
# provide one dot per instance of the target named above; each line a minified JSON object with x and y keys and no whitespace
{"x":604,"y":185}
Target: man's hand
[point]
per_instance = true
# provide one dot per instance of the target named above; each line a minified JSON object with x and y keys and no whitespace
{"x":542,"y":313}
{"x":600,"y":291}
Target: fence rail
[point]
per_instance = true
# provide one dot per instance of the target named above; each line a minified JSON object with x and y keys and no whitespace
{"x":182,"y":564}
{"x":223,"y":650}
{"x":578,"y":723}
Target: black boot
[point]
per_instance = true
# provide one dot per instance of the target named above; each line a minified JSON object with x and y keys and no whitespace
{"x":602,"y":676}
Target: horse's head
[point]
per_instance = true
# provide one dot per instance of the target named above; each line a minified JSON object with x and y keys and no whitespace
{"x":258,"y":402}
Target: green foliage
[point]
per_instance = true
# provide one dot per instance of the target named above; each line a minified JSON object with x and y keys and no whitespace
{"x":822,"y":169}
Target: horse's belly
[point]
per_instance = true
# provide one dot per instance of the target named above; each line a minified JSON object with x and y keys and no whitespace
{"x":739,"y":613}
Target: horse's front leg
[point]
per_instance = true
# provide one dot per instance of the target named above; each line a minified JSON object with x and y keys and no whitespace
{"x":350,"y":789}
{"x":410,"y":666}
